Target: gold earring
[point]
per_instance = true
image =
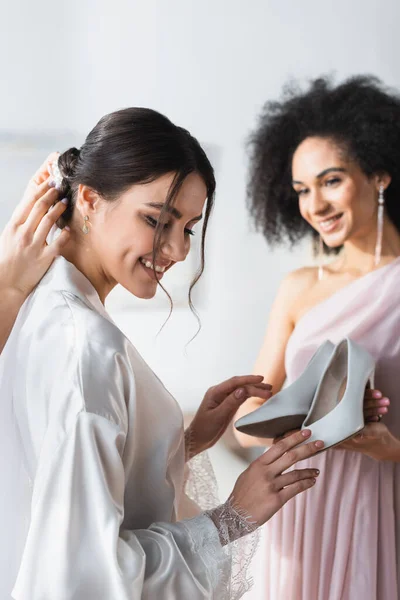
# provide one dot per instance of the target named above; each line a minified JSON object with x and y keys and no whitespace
{"x":85,"y":228}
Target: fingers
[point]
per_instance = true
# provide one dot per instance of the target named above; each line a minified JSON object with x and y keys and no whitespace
{"x":23,"y":209}
{"x":54,"y":249}
{"x":285,"y":435}
{"x":376,"y":403}
{"x":260,"y":390}
{"x":219,"y":392}
{"x":284,"y":454}
{"x":294,"y":476}
{"x":373,"y":419}
{"x":372,"y":393}
{"x":297,"y":454}
{"x":47,"y":222}
{"x":38,"y":185}
{"x":230,"y":404}
{"x":43,"y":171}
{"x":375,"y":408}
{"x":40,"y":209}
{"x":375,"y":412}
{"x":293,"y":490}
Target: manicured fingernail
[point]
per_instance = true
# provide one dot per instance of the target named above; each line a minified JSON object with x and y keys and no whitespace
{"x":52,"y":183}
{"x":317,"y":472}
{"x":306,"y":433}
{"x":67,"y":228}
{"x":385,"y":401}
{"x":383,"y":410}
{"x":377,"y":394}
{"x":319,"y":444}
{"x":64,"y":200}
{"x":239,"y":393}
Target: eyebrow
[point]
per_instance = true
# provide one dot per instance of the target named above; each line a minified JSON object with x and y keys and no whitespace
{"x":172,"y":210}
{"x":323,"y":173}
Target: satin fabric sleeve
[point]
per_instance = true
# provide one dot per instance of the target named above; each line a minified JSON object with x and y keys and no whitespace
{"x":76,"y":549}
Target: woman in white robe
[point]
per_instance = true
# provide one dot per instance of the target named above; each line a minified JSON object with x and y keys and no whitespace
{"x":93,"y":451}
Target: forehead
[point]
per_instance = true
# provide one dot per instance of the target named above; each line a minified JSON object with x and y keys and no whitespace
{"x":189,"y":200}
{"x":192,"y":195}
{"x":314,"y":155}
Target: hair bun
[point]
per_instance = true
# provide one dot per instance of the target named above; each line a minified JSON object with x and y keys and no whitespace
{"x":67,"y":162}
{"x":67,"y":166}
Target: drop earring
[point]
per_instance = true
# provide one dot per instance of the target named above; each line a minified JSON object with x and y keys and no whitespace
{"x":85,"y":228}
{"x":379,"y":228}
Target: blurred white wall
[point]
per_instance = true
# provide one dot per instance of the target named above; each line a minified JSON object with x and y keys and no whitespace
{"x":209,"y":66}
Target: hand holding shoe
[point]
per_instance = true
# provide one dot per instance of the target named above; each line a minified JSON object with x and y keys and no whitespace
{"x":375,"y":407}
{"x":375,"y":440}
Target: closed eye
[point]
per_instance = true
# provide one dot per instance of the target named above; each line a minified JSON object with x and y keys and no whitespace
{"x":153,"y":223}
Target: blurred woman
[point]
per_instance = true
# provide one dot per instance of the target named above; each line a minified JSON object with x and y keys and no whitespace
{"x":325,"y":164}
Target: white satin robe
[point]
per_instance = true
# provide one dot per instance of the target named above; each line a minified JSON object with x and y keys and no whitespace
{"x":98,"y":493}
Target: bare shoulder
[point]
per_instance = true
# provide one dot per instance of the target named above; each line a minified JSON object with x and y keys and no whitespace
{"x":295,"y":289}
{"x":300,"y":280}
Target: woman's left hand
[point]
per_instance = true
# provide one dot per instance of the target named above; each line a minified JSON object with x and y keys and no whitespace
{"x":218,"y":409}
{"x":375,"y":440}
{"x":24,"y":254}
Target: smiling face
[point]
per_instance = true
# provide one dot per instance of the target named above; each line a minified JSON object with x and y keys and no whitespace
{"x":121,"y":233}
{"x":335,"y":196}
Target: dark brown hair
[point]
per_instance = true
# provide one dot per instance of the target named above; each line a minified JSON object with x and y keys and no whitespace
{"x":361,"y":115}
{"x":136,"y":146}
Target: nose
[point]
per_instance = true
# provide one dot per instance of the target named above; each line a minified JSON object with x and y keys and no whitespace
{"x":316,"y":203}
{"x":175,"y":248}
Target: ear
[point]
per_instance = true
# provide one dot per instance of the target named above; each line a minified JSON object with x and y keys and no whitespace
{"x":87,"y":201}
{"x":382,"y":179}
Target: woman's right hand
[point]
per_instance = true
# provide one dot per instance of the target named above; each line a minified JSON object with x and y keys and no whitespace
{"x":264,"y":487}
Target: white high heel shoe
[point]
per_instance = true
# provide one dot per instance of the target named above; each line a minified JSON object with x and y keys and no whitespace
{"x":337,"y":410}
{"x":289,"y":407}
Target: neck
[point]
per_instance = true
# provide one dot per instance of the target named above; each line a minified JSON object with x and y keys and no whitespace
{"x":81,"y":255}
{"x":359,"y":253}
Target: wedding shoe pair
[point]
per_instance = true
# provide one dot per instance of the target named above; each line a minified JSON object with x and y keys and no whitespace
{"x":327,"y":398}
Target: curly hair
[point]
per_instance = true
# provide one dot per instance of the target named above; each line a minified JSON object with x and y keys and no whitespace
{"x":362,"y":116}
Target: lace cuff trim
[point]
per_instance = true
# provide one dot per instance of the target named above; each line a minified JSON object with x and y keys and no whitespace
{"x":229,"y":545}
{"x":189,"y":444}
{"x":206,"y":544}
{"x":232,"y":522}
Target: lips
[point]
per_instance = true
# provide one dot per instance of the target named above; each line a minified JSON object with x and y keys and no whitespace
{"x":159,"y":269}
{"x":150,"y":265}
{"x":331,"y":223}
{"x":150,"y":272}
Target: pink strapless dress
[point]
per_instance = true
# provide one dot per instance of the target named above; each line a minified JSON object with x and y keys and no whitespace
{"x":341,"y":540}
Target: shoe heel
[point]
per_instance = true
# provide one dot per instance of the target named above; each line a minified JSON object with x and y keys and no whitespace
{"x":335,"y":423}
{"x":371,"y":380}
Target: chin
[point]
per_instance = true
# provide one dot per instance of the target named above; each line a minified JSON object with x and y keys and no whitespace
{"x":146,"y":295}
{"x":143,"y":293}
{"x":335,"y":241}
{"x":334,"y":244}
